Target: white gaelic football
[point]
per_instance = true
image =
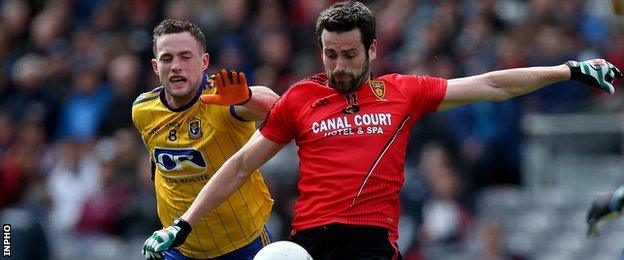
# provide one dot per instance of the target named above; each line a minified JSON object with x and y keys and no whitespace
{"x":283,"y":250}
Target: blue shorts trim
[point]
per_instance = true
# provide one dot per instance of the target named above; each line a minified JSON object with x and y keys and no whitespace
{"x":244,"y":253}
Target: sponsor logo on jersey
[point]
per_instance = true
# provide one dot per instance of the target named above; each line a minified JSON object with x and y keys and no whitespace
{"x":189,"y":179}
{"x":174,"y":159}
{"x":378,"y":88}
{"x":194,"y":129}
{"x":358,"y":124}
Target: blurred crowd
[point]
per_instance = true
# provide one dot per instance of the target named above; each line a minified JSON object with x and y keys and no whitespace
{"x":74,"y":175}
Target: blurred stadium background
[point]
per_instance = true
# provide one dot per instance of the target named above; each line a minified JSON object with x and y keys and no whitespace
{"x":510,"y":180}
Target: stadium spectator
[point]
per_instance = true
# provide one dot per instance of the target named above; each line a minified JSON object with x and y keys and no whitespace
{"x":447,"y":220}
{"x":125,"y":74}
{"x":29,"y":96}
{"x":490,"y":243}
{"x":76,"y":175}
{"x":81,"y":110}
{"x":102,"y":211}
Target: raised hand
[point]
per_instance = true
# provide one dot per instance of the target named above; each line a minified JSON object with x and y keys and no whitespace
{"x":232,"y":89}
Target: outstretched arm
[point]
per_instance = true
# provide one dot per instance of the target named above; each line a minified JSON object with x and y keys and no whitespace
{"x":231,"y":176}
{"x":505,"y":84}
{"x":227,"y":180}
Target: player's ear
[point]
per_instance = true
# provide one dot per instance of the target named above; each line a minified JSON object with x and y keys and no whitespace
{"x":155,"y":66}
{"x":205,"y":61}
{"x":372,"y":50}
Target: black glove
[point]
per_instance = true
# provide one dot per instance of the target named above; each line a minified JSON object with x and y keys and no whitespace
{"x":166,"y":238}
{"x":597,"y":73}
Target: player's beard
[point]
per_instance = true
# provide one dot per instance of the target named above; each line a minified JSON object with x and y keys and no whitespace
{"x":354,"y":81}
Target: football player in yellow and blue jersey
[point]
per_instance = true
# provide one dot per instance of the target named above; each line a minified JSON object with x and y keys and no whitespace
{"x":191,"y":125}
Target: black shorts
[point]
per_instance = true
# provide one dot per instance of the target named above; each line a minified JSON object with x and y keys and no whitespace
{"x":341,"y":241}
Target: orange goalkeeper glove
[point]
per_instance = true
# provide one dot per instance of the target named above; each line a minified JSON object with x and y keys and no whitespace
{"x":232,"y":89}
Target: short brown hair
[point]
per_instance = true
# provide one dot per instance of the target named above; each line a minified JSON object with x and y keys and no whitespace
{"x":346,"y":16}
{"x":170,"y":26}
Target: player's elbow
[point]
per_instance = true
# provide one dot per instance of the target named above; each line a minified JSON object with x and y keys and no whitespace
{"x":270,"y":97}
{"x":266,"y":93}
{"x":271,"y":94}
{"x":242,"y":176}
{"x":265,"y":98}
{"x":497,"y":91}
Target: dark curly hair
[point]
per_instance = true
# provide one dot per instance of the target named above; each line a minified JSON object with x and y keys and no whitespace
{"x":169,"y":26}
{"x":344,"y":17}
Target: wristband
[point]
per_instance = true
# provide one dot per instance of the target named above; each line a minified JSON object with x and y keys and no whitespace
{"x":248,"y":98}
